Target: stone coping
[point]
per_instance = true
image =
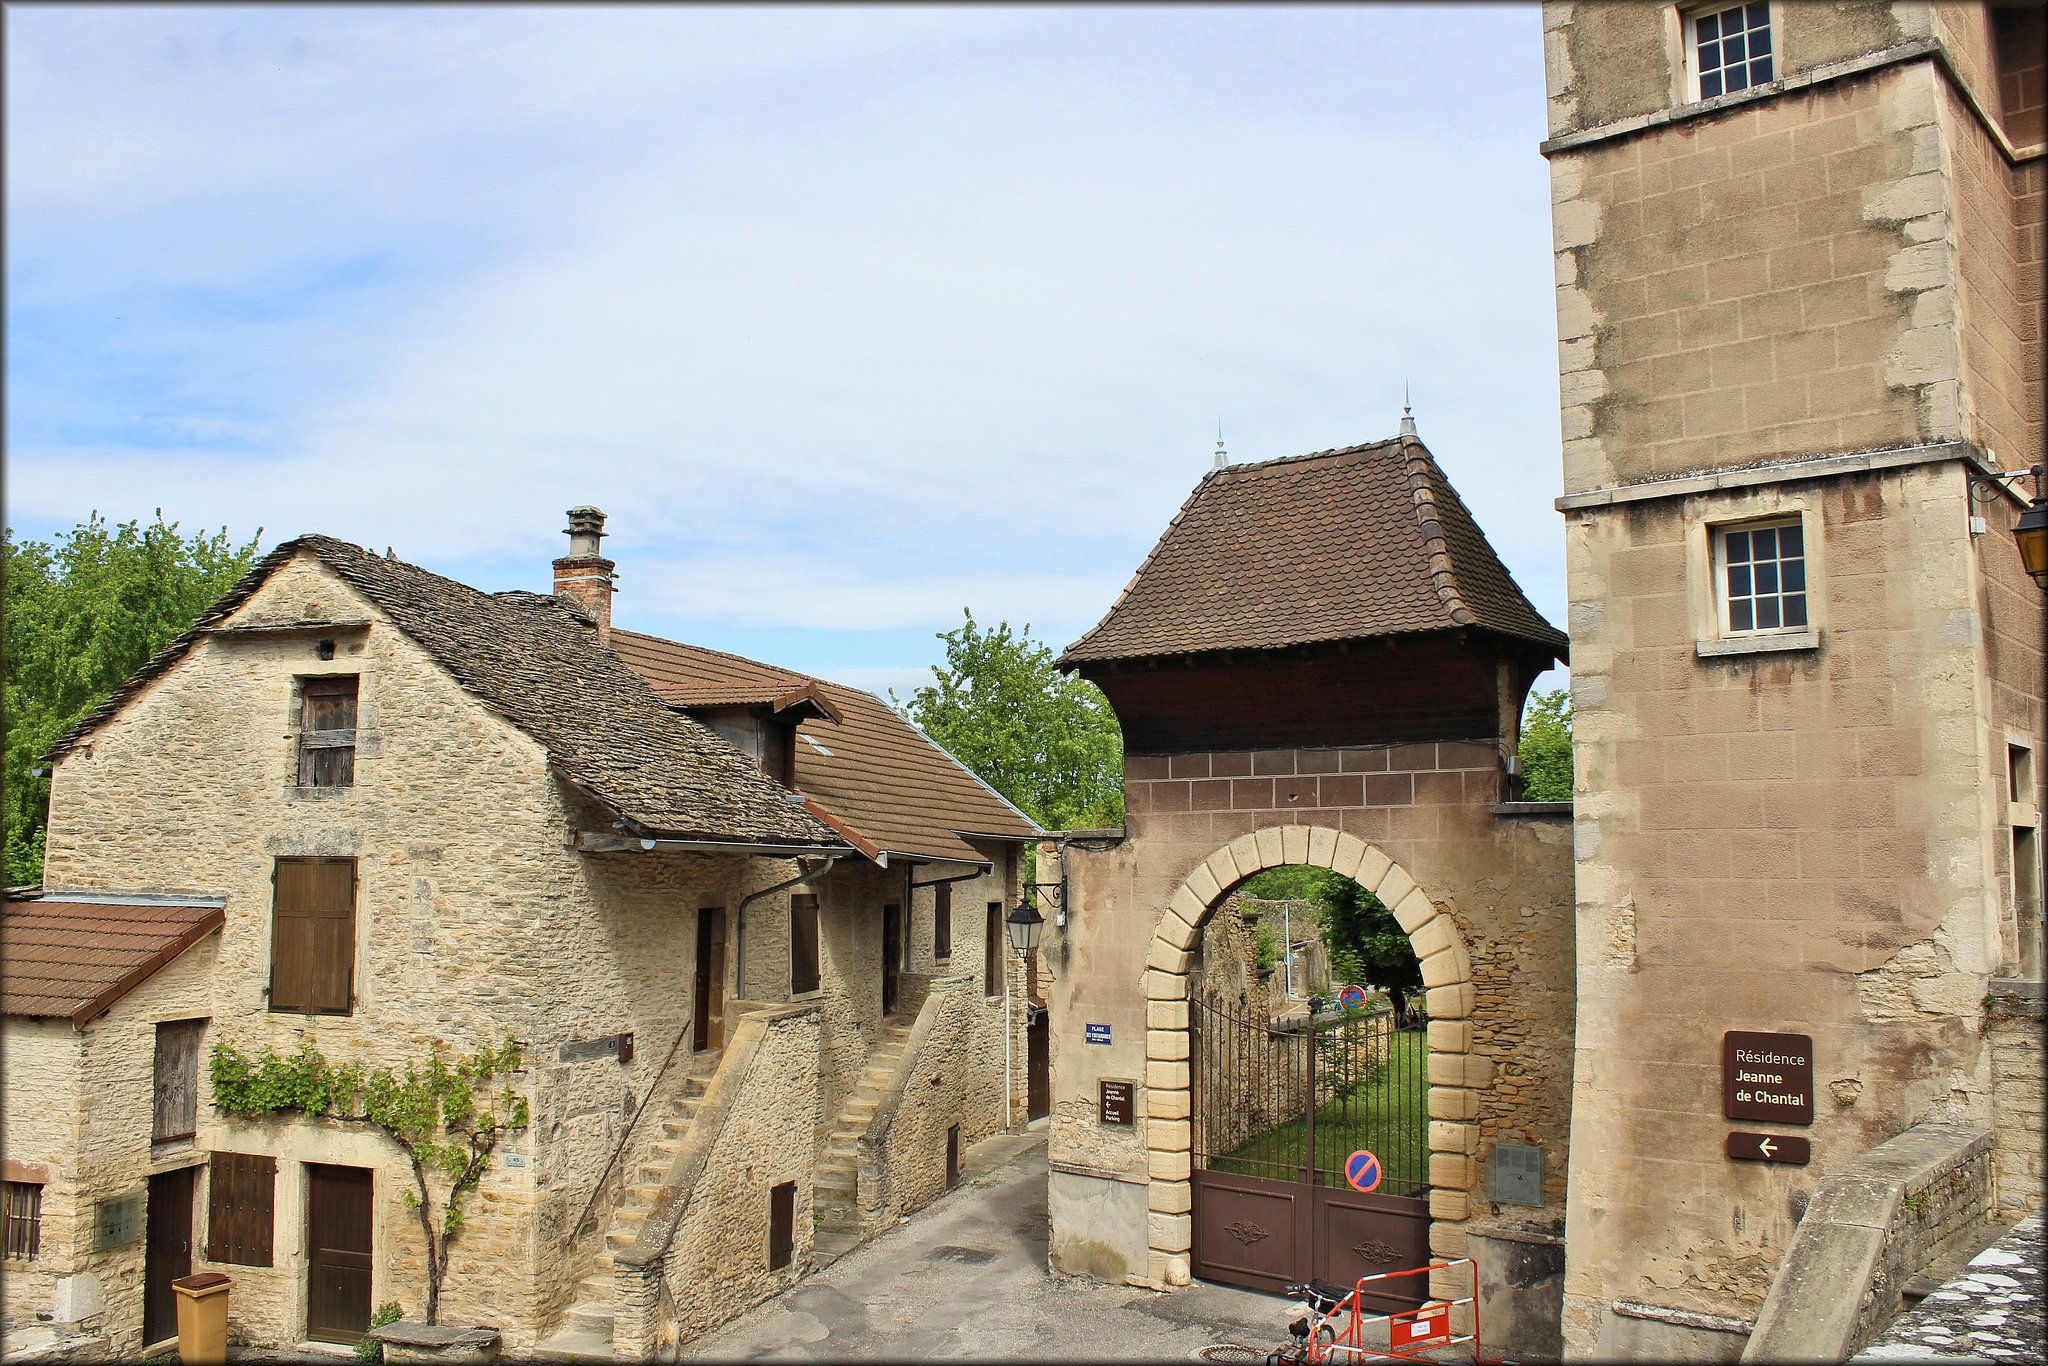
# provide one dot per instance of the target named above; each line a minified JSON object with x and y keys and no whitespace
{"x":1990,"y":1312}
{"x":412,"y":1334}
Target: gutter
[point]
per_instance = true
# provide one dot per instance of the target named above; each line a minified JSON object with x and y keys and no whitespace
{"x":588,"y":842}
{"x":739,"y":916}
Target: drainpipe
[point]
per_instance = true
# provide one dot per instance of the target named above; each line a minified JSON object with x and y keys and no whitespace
{"x":740,"y":916}
{"x":910,"y":893}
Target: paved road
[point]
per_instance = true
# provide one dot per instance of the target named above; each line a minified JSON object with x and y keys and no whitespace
{"x":967,"y":1277}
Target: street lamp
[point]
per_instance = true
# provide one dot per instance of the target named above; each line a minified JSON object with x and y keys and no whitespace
{"x":2030,"y":533}
{"x":1024,"y":925}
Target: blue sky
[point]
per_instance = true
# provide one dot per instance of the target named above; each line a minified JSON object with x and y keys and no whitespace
{"x":849,"y":317}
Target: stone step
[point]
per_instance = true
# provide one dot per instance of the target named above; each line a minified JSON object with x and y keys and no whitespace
{"x":632,"y":1214}
{"x":674,"y":1128}
{"x":602,"y":1264}
{"x":619,"y":1241}
{"x":595,"y":1289}
{"x":831,"y":1167}
{"x":594,"y":1317}
{"x":576,"y":1342}
{"x":642,"y":1194}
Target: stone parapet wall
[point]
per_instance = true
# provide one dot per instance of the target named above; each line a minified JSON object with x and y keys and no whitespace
{"x":2017,"y":1099}
{"x":1871,"y":1226}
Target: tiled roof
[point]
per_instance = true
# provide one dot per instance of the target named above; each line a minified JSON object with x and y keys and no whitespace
{"x":539,"y":665}
{"x":873,"y":773}
{"x":73,"y":959}
{"x":1340,"y":545}
{"x":805,"y":698}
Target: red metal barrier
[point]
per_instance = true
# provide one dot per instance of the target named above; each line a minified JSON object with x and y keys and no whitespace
{"x":1408,"y":1333}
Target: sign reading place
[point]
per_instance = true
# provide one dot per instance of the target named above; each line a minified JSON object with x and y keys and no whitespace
{"x":1767,"y":1077}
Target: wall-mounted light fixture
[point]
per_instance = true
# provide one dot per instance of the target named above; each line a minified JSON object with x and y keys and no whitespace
{"x":2030,"y":533}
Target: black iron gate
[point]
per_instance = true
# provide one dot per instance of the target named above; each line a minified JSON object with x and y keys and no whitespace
{"x":1278,"y":1109}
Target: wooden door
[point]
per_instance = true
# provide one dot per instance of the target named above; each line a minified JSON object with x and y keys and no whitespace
{"x":952,"y":1157}
{"x":337,"y":1253}
{"x":709,"y":1029}
{"x":167,"y":1253}
{"x":892,"y":957}
{"x":1038,"y":1066}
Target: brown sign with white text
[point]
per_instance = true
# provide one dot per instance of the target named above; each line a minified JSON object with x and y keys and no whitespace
{"x":1767,"y":1077}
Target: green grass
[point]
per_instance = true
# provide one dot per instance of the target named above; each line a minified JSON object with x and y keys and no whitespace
{"x":1388,"y":1116}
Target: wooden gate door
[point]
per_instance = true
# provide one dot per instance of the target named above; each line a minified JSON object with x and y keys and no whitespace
{"x":1038,"y":1066}
{"x":167,"y":1253}
{"x":337,"y":1252}
{"x":892,"y":958}
{"x":1277,"y":1111}
{"x":708,"y":1030}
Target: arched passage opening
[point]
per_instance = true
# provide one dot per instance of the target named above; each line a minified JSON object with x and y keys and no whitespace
{"x":1454,"y":1077}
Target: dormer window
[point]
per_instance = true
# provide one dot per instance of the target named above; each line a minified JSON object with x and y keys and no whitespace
{"x":760,"y":719}
{"x":1729,"y":49}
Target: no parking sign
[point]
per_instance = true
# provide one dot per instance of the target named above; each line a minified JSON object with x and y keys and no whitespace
{"x":1362,"y":1170}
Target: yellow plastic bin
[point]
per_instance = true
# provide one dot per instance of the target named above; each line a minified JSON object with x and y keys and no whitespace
{"x":203,"y":1319}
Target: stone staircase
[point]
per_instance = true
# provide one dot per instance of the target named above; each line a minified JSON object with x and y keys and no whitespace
{"x":835,"y":1182}
{"x":586,"y":1330}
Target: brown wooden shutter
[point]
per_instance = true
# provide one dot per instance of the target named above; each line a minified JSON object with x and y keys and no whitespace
{"x":313,"y":941}
{"x":177,"y":1080}
{"x":781,"y":1224}
{"x":803,"y":944}
{"x":327,"y":732}
{"x":241,"y":1209}
{"x":992,"y":950}
{"x":942,"y":922}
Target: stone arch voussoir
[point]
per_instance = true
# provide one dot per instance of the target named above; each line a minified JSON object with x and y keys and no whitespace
{"x":1457,"y":1076}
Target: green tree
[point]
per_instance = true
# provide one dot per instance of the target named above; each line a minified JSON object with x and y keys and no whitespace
{"x":83,"y":614}
{"x":443,"y":1116}
{"x":1046,"y":740}
{"x":1547,"y":747}
{"x":1366,"y":944}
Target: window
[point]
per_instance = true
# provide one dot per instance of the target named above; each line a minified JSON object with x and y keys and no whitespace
{"x":2025,"y":819}
{"x":24,"y":1221}
{"x":781,"y":1225}
{"x":177,"y":1080}
{"x":1762,"y":578}
{"x":803,"y":944}
{"x":327,"y":732}
{"x":241,"y":1205}
{"x":313,"y":935}
{"x":992,"y":951}
{"x":942,"y":922}
{"x":1729,"y":49}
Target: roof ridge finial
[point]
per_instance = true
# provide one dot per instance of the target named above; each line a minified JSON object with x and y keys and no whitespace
{"x":1222,"y":456}
{"x":1407,"y":413}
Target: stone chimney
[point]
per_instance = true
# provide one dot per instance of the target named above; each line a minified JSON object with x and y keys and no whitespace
{"x":583,"y":577}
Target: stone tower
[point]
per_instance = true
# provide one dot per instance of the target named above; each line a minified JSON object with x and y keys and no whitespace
{"x":1799,"y":265}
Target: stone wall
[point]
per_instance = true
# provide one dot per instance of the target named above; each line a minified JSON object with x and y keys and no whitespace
{"x":954,"y":1076}
{"x":43,"y":1116}
{"x":1503,"y":881}
{"x":1872,"y":1225}
{"x":2017,"y":1098}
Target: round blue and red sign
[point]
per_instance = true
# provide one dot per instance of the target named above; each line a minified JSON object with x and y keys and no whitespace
{"x":1362,"y":1170}
{"x":1351,"y":998}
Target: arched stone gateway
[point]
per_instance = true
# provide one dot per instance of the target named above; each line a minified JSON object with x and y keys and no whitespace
{"x":1456,"y":1078}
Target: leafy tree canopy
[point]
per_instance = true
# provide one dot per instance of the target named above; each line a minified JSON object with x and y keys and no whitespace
{"x":1046,"y":740}
{"x":83,"y":614}
{"x":1547,"y":747}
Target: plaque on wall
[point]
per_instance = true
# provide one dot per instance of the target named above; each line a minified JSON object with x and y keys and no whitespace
{"x":1767,"y":1077}
{"x":1119,"y":1102}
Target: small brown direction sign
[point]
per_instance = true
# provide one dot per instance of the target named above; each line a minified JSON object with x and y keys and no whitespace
{"x":1117,"y":1104}
{"x":1796,"y":1152}
{"x":1767,"y":1077}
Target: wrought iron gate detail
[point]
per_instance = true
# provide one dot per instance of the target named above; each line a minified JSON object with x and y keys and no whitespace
{"x":1277,"y":1108}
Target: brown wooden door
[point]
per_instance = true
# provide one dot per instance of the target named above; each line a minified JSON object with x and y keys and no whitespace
{"x":892,"y":957}
{"x":167,"y":1255}
{"x":337,"y":1253}
{"x":1038,"y":1066}
{"x":952,"y":1157}
{"x":709,"y":1028}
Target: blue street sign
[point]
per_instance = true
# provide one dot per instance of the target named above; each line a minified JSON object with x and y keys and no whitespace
{"x":1098,"y":1033}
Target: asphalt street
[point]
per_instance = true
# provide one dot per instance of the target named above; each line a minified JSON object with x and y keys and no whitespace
{"x":967,"y":1277}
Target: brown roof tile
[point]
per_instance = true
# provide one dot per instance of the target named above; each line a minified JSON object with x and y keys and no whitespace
{"x":873,"y":773}
{"x":1340,"y":545}
{"x":73,"y":959}
{"x":539,"y":665}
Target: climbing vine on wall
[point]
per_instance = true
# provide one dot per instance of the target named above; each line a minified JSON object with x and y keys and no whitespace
{"x":446,"y":1116}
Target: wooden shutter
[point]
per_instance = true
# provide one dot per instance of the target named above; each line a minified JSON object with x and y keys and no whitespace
{"x":942,"y":922}
{"x":313,"y":939}
{"x":241,"y":1211}
{"x":177,"y":1080}
{"x":781,"y":1224}
{"x":327,"y":733}
{"x":803,"y":944}
{"x":992,"y":950}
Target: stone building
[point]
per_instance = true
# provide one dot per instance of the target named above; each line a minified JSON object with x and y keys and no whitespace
{"x":1322,"y":662}
{"x":1799,"y":254}
{"x":385,"y":812}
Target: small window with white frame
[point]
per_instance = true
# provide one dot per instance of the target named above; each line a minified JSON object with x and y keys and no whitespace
{"x":1729,"y":48}
{"x":1761,"y":577}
